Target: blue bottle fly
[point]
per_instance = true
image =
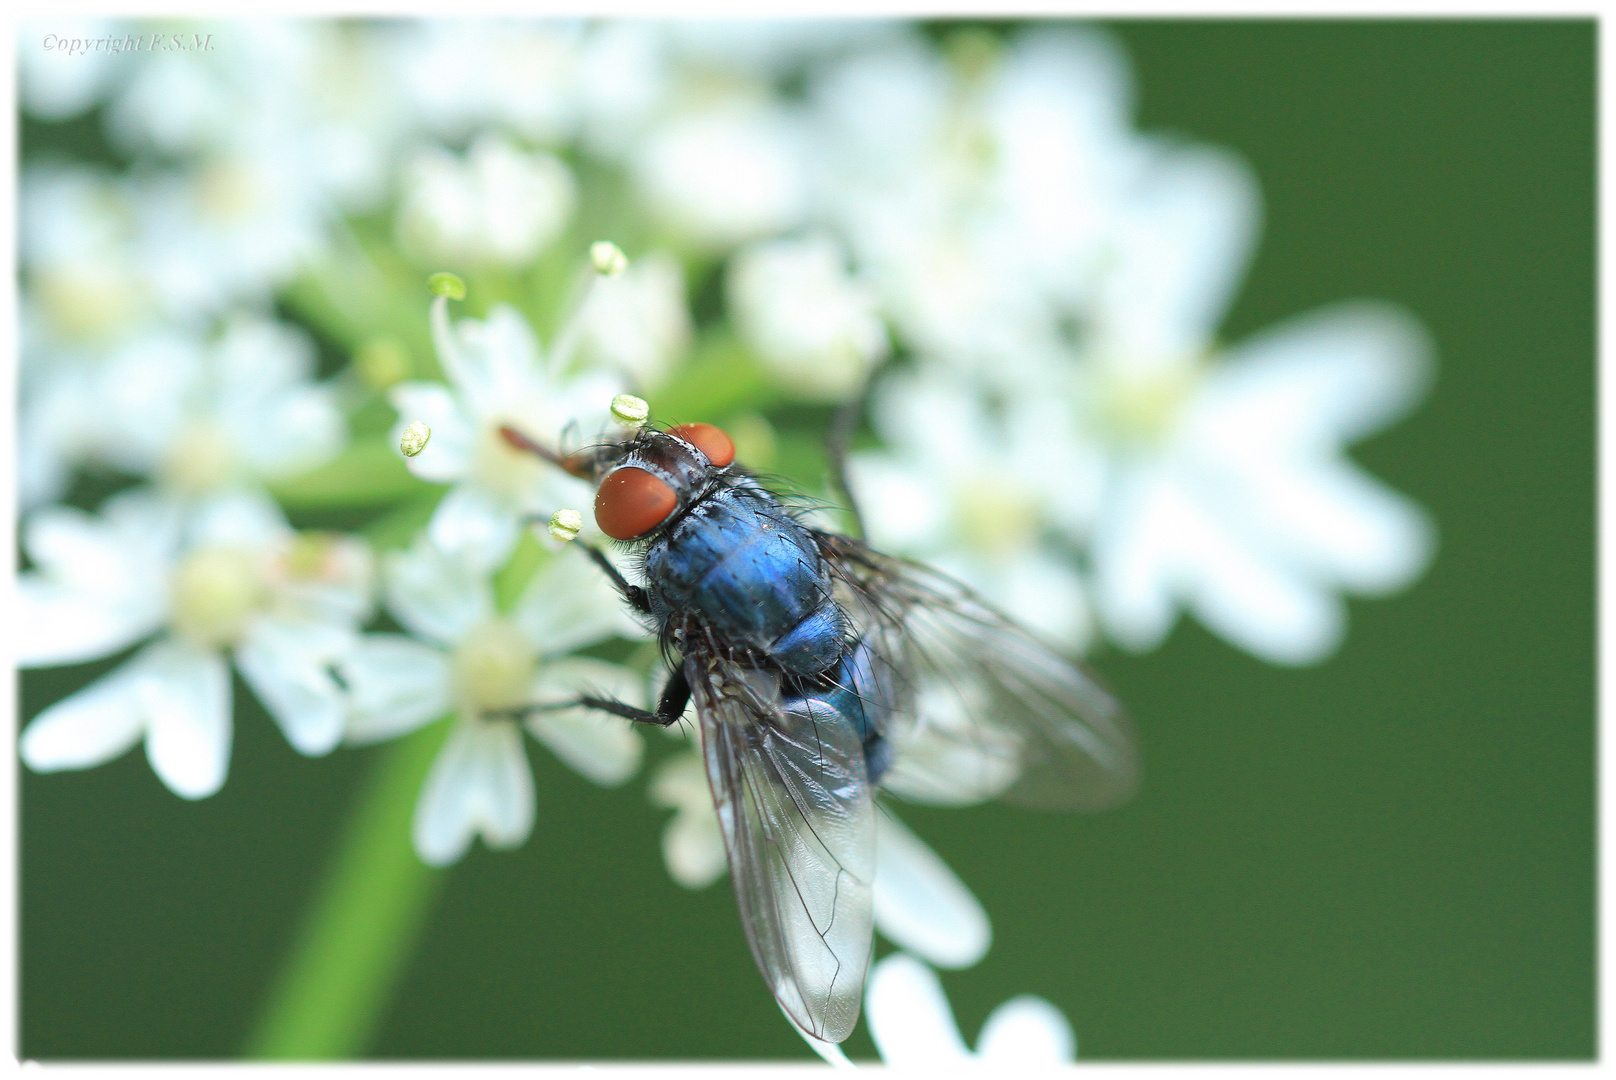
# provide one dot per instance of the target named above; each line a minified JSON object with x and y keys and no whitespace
{"x":821,"y":669}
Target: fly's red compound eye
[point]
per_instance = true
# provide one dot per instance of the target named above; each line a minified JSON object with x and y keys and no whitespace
{"x":719,"y":448}
{"x":631,"y":502}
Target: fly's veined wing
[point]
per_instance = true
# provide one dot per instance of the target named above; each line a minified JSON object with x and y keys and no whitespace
{"x":793,"y":801}
{"x":993,"y":712}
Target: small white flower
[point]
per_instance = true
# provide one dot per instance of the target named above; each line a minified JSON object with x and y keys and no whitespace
{"x":467,"y":659}
{"x":227,"y":578}
{"x":636,"y":320}
{"x":1228,"y":490}
{"x":811,"y":323}
{"x":727,"y":172}
{"x":310,"y":100}
{"x":973,"y":187}
{"x":202,"y":418}
{"x":75,"y":232}
{"x":229,"y":229}
{"x":499,"y":205}
{"x":913,"y":1026}
{"x":62,"y":82}
{"x":84,"y":293}
{"x":978,"y":496}
{"x":496,"y":378}
{"x":457,"y":76}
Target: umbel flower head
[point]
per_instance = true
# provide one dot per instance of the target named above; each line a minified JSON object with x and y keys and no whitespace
{"x":498,"y":379}
{"x":225,"y":580}
{"x":463,"y":657}
{"x":1226,"y":486}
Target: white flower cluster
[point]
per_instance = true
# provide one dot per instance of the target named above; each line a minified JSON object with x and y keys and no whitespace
{"x":973,"y":234}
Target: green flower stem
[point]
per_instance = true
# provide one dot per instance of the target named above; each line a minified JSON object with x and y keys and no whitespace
{"x":363,"y":922}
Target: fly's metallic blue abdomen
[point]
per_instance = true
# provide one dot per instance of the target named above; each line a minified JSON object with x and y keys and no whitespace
{"x":752,"y":574}
{"x":856,"y":692}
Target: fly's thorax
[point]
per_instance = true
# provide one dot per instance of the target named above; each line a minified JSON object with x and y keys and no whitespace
{"x":751,"y":576}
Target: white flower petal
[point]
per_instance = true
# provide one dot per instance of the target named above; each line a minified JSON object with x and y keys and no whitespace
{"x":637,"y":322}
{"x":123,"y":552}
{"x":474,"y":525}
{"x":606,"y":749}
{"x":1323,"y":378}
{"x":338,"y":586}
{"x":692,"y":843}
{"x":246,"y":518}
{"x":151,"y":388}
{"x":93,"y":725}
{"x":294,"y":431}
{"x":185,"y":694}
{"x":1161,"y":545}
{"x":920,"y":905}
{"x":811,"y":322}
{"x":901,"y":511}
{"x":288,"y":665}
{"x":1182,"y":242}
{"x":448,"y":453}
{"x":479,"y":783}
{"x":1026,"y":1032}
{"x":1130,"y":550}
{"x":65,"y":627}
{"x":499,"y":361}
{"x":395,"y":685}
{"x":1276,"y":616}
{"x":569,"y":604}
{"x":1257,"y":603}
{"x":1335,"y":520}
{"x":436,"y":596}
{"x":908,"y":1016}
{"x":1045,"y":594}
{"x":729,"y":173}
{"x":257,"y":358}
{"x":693,"y":848}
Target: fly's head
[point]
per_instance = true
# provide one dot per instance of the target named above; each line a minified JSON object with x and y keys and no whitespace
{"x":655,"y":474}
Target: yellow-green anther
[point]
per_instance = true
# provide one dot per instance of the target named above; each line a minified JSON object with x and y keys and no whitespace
{"x":444,"y":283}
{"x":630,"y":411}
{"x":608,"y":258}
{"x":564,"y":524}
{"x":415,"y":438}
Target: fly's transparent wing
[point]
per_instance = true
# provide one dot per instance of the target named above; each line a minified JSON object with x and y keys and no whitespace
{"x":986,"y":710}
{"x":793,"y":801}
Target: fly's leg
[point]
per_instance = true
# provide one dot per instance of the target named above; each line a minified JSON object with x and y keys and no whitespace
{"x":670,"y":709}
{"x":837,"y":442}
{"x":633,"y":594}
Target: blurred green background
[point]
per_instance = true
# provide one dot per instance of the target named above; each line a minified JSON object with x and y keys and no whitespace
{"x":1387,"y":856}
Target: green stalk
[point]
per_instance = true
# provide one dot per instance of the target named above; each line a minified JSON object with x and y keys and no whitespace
{"x":363,"y":922}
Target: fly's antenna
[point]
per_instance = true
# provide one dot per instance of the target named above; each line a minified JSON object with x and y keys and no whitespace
{"x":575,"y":464}
{"x":837,"y":443}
